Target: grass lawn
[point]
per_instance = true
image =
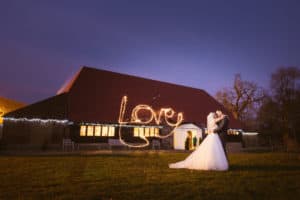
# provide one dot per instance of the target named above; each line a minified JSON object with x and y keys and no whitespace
{"x":145,"y":175}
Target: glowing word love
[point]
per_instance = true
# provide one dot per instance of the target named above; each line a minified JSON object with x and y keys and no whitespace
{"x":167,"y":113}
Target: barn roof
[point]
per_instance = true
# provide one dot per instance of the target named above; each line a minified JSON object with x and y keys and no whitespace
{"x":95,"y":95}
{"x":52,"y":108}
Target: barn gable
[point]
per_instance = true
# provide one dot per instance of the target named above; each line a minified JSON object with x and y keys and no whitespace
{"x":94,"y":95}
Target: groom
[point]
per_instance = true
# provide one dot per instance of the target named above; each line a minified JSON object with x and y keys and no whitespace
{"x":222,"y":128}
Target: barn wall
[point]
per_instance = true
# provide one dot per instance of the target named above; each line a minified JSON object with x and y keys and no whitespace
{"x":33,"y":135}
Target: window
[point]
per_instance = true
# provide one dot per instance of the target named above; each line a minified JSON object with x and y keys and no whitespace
{"x":156,"y":131}
{"x":147,"y":132}
{"x":97,"y":130}
{"x":111,"y":131}
{"x":152,"y":133}
{"x":82,"y":130}
{"x":136,"y":132}
{"x":90,"y":131}
{"x":104,"y":130}
{"x":141,"y":132}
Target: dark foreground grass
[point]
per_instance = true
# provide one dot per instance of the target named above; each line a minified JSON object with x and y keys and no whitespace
{"x":145,"y":175}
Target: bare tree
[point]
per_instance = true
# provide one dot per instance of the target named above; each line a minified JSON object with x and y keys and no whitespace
{"x":243,"y":99}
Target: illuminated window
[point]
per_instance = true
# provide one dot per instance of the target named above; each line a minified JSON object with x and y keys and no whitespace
{"x":136,"y":132}
{"x":111,"y":131}
{"x":147,"y":132}
{"x":82,"y":130}
{"x":104,"y":130}
{"x":156,"y":132}
{"x":152,"y":133}
{"x":97,"y":130}
{"x":90,"y":130}
{"x":141,"y":132}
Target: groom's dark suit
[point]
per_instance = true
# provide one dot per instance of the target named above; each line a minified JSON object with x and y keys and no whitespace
{"x":222,"y":131}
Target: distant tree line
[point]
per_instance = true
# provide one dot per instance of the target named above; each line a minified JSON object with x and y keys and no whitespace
{"x":274,"y":112}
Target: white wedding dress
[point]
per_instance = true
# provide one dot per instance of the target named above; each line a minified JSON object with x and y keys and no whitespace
{"x":209,"y":155}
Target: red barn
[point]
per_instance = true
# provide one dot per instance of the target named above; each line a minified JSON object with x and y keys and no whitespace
{"x":87,"y":108}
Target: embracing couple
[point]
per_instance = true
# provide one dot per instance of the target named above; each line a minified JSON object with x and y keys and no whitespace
{"x":211,"y":154}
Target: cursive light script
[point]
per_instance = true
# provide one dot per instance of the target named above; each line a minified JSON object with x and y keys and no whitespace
{"x":166,"y":113}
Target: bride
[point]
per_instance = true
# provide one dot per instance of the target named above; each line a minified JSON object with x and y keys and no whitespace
{"x":210,"y":154}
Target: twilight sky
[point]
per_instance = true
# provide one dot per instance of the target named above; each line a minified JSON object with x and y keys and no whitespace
{"x":200,"y":43}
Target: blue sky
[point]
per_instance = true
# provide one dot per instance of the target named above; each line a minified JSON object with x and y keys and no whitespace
{"x":200,"y":44}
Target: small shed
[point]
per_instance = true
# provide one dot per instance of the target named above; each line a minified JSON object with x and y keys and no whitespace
{"x":180,"y":135}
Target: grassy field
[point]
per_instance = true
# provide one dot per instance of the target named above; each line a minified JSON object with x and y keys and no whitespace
{"x":145,"y":175}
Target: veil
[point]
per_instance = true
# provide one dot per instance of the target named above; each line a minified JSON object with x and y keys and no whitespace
{"x":211,"y":124}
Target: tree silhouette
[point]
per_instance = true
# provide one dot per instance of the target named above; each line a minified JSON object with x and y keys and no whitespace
{"x":242,"y":100}
{"x":279,"y":115}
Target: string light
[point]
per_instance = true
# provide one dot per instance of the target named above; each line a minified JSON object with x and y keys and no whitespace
{"x":65,"y":121}
{"x":168,"y":113}
{"x":118,"y":125}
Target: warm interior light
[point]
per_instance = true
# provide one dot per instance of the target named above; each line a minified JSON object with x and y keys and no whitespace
{"x":104,"y":130}
{"x":97,"y":130}
{"x":90,"y":131}
{"x":111,"y":131}
{"x":82,"y":130}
